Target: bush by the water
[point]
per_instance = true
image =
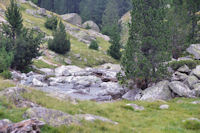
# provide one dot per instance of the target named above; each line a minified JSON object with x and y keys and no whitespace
{"x":6,"y":74}
{"x":94,"y":45}
{"x":190,"y":63}
{"x":61,"y":43}
{"x":51,"y":23}
{"x":5,"y":59}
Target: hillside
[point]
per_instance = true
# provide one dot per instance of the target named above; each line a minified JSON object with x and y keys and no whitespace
{"x":80,"y":92}
{"x":80,"y":54}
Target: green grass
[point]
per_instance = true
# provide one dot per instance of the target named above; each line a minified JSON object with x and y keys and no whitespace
{"x":93,"y":57}
{"x":151,"y":120}
{"x":41,"y":64}
{"x":5,"y":84}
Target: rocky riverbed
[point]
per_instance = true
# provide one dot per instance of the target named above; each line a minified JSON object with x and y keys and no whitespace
{"x":98,"y":84}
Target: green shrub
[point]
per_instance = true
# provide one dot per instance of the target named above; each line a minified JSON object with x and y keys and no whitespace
{"x":190,"y":63}
{"x":5,"y":59}
{"x":6,"y":74}
{"x":61,"y":43}
{"x":192,"y":124}
{"x":51,"y":23}
{"x":94,"y":45}
{"x":27,"y":48}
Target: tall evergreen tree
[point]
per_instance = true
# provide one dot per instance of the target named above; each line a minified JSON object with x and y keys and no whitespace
{"x":60,"y":43}
{"x":110,"y":17}
{"x":147,"y":47}
{"x":14,"y":18}
{"x":179,"y":26}
{"x":193,"y":7}
{"x":114,"y":49}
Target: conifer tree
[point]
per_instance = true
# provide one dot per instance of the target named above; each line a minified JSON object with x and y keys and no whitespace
{"x":110,"y":17}
{"x":60,"y":43}
{"x":114,"y":49}
{"x":14,"y":18}
{"x":148,"y":44}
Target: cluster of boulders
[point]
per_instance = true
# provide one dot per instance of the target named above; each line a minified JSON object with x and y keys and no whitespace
{"x":184,"y":83}
{"x":85,"y":36}
{"x":26,"y":126}
{"x":99,"y":84}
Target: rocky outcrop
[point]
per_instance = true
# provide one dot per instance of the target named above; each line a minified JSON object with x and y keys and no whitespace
{"x":26,"y":126}
{"x":50,"y":116}
{"x":160,"y":91}
{"x":98,"y":84}
{"x":91,"y":25}
{"x":194,"y":49}
{"x":57,"y":118}
{"x":14,"y":95}
{"x":72,"y":18}
{"x":184,"y":83}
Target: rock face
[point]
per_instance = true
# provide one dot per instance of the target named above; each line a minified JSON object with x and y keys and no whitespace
{"x":92,"y":25}
{"x":180,"y":89}
{"x":57,"y":118}
{"x":194,"y":49}
{"x":50,"y":116}
{"x":160,"y":91}
{"x":72,"y":18}
{"x":26,"y":126}
{"x":14,"y":96}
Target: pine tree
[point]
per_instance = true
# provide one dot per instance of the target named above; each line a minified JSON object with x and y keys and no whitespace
{"x":148,"y":44}
{"x":14,"y":18}
{"x":114,"y":49}
{"x":60,"y":43}
{"x":193,"y":7}
{"x":110,"y":17}
{"x":179,"y":26}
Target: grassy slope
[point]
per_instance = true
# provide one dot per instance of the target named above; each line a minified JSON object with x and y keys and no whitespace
{"x":93,"y":58}
{"x":152,"y":120}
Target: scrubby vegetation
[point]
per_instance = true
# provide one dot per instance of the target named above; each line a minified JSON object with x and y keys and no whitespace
{"x":51,"y":23}
{"x":94,"y":45}
{"x":151,"y":120}
{"x":61,"y":42}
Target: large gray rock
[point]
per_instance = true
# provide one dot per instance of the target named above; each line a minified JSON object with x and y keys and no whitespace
{"x":113,"y":89}
{"x":47,"y":71}
{"x":14,"y":95}
{"x":67,"y":70}
{"x":51,"y":117}
{"x":196,"y":71}
{"x":26,"y":126}
{"x":160,"y":91}
{"x":177,"y":76}
{"x":164,"y":106}
{"x":184,"y":69}
{"x":92,"y":25}
{"x":72,"y":18}
{"x":38,"y":83}
{"x":132,"y":95}
{"x":194,"y":49}
{"x":84,"y":37}
{"x":180,"y":89}
{"x":191,"y":80}
{"x":196,"y":89}
{"x":135,"y":107}
{"x":92,"y":118}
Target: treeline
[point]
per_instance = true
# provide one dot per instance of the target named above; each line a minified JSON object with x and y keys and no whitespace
{"x":88,"y":9}
{"x":159,"y":31}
